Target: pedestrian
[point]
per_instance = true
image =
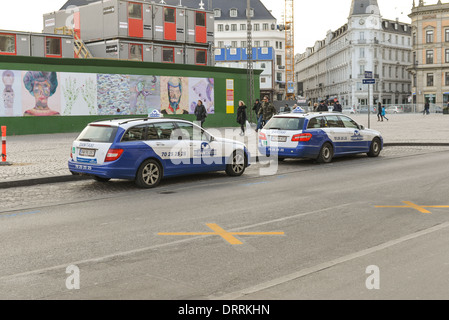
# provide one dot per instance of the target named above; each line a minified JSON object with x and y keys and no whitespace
{"x":384,"y":113}
{"x":200,"y":112}
{"x":267,"y":111}
{"x":256,"y":108}
{"x":241,"y":116}
{"x":287,"y":108}
{"x":322,"y":107}
{"x":315,"y":107}
{"x":426,"y":109}
{"x":337,"y":107}
{"x":379,"y":112}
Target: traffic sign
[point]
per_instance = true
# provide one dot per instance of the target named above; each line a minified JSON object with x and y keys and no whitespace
{"x":369,"y":81}
{"x":368,"y":74}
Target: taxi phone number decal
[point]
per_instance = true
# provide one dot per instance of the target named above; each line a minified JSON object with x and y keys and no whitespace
{"x":174,"y":154}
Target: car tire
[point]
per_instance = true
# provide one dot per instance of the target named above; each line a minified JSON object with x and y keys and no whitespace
{"x":100,"y":179}
{"x":326,"y":153}
{"x":149,"y":174}
{"x":375,"y":148}
{"x":236,"y":164}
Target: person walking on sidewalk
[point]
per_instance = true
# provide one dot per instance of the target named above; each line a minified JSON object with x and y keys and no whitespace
{"x":322,"y":107}
{"x":200,"y":112}
{"x":379,"y":112}
{"x":241,"y":116}
{"x":384,"y":113}
{"x":257,"y":106}
{"x":267,"y":111}
{"x":426,"y":109}
{"x":337,"y":107}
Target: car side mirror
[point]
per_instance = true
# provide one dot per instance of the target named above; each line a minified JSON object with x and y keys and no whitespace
{"x":361,"y":127}
{"x":211,"y":139}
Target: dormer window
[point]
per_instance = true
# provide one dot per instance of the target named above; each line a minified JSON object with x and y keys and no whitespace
{"x":251,"y":12}
{"x":217,"y":13}
{"x":233,"y":13}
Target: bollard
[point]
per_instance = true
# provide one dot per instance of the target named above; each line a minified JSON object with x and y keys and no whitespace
{"x":4,"y":162}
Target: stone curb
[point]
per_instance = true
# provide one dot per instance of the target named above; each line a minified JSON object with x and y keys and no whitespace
{"x":69,"y":178}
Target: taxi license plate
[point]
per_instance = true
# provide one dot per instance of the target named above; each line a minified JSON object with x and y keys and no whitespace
{"x":87,"y":152}
{"x":278,"y":139}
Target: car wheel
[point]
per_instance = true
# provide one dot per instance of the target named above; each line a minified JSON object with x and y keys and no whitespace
{"x":237,"y":164}
{"x":326,"y":153}
{"x":149,"y":174}
{"x":375,"y":148}
{"x":100,"y":179}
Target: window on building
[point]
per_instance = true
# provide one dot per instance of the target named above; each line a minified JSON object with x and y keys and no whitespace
{"x":220,"y":27}
{"x":266,"y":43}
{"x":446,"y":35}
{"x":7,"y":44}
{"x":242,"y":27}
{"x":243,"y":44}
{"x":446,"y":54}
{"x":263,"y":80}
{"x":278,"y":60}
{"x":233,"y":27}
{"x":217,"y":13}
{"x":136,"y":52}
{"x":200,"y":19}
{"x":234,"y":44}
{"x":220,"y":44}
{"x":251,"y":12}
{"x":53,"y":47}
{"x":233,"y":13}
{"x":256,"y":44}
{"x":429,"y":56}
{"x":362,"y":52}
{"x":446,"y":79}
{"x":201,"y":57}
{"x":169,"y":15}
{"x":168,"y":55}
{"x":279,"y":76}
{"x":429,"y":36}
{"x":430,"y":79}
{"x":265,"y":27}
{"x":256,"y":27}
{"x":135,"y":10}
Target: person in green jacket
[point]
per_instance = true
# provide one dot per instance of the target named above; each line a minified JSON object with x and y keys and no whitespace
{"x":267,"y":110}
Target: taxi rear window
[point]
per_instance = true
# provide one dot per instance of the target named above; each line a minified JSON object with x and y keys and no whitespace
{"x":98,"y":133}
{"x":285,"y":123}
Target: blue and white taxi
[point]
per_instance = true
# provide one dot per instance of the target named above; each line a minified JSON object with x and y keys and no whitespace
{"x":320,"y":136}
{"x":146,"y":150}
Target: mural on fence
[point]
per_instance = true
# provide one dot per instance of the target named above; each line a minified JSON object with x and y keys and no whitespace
{"x":36,"y":93}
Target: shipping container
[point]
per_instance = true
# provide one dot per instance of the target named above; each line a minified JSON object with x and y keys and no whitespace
{"x":122,"y":49}
{"x":168,"y":53}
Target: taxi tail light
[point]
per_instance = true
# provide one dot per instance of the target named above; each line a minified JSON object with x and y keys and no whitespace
{"x":113,"y":154}
{"x":303,"y":137}
{"x":262,"y":136}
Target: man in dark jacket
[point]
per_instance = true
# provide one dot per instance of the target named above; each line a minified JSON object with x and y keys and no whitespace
{"x":200,"y":112}
{"x":256,"y":109}
{"x":322,"y":107}
{"x":337,"y":107}
{"x":267,"y":111}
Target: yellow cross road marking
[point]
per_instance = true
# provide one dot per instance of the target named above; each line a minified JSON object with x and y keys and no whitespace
{"x":411,"y":205}
{"x":228,"y":236}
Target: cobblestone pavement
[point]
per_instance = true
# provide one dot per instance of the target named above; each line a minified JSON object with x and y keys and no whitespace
{"x":43,"y":156}
{"x":23,"y":198}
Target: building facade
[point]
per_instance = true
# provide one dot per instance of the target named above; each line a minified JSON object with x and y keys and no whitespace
{"x":430,"y":64}
{"x":335,"y":67}
{"x":268,"y":42}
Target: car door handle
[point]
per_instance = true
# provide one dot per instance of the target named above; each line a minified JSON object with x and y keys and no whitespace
{"x":160,"y":144}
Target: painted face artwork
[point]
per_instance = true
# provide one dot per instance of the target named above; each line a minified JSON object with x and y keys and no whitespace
{"x":41,"y":92}
{"x":174,"y":94}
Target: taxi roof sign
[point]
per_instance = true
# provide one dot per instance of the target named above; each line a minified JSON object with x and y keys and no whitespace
{"x":155,"y":114}
{"x":298,"y":110}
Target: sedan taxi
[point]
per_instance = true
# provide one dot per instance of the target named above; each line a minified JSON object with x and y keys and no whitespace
{"x":146,"y":150}
{"x":320,"y":136}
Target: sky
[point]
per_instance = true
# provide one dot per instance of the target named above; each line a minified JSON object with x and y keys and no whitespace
{"x":312,"y":18}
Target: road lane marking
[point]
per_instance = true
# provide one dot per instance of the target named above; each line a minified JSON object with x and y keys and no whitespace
{"x":102,"y":259}
{"x":12,"y":215}
{"x":242,"y":294}
{"x":409,"y":204}
{"x":228,"y":236}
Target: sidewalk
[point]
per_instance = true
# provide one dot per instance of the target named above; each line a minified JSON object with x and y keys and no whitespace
{"x":43,"y":158}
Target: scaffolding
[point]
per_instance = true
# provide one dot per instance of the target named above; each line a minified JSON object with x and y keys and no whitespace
{"x":289,"y":23}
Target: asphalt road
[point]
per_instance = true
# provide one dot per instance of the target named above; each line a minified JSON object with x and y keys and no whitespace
{"x":314,"y":231}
